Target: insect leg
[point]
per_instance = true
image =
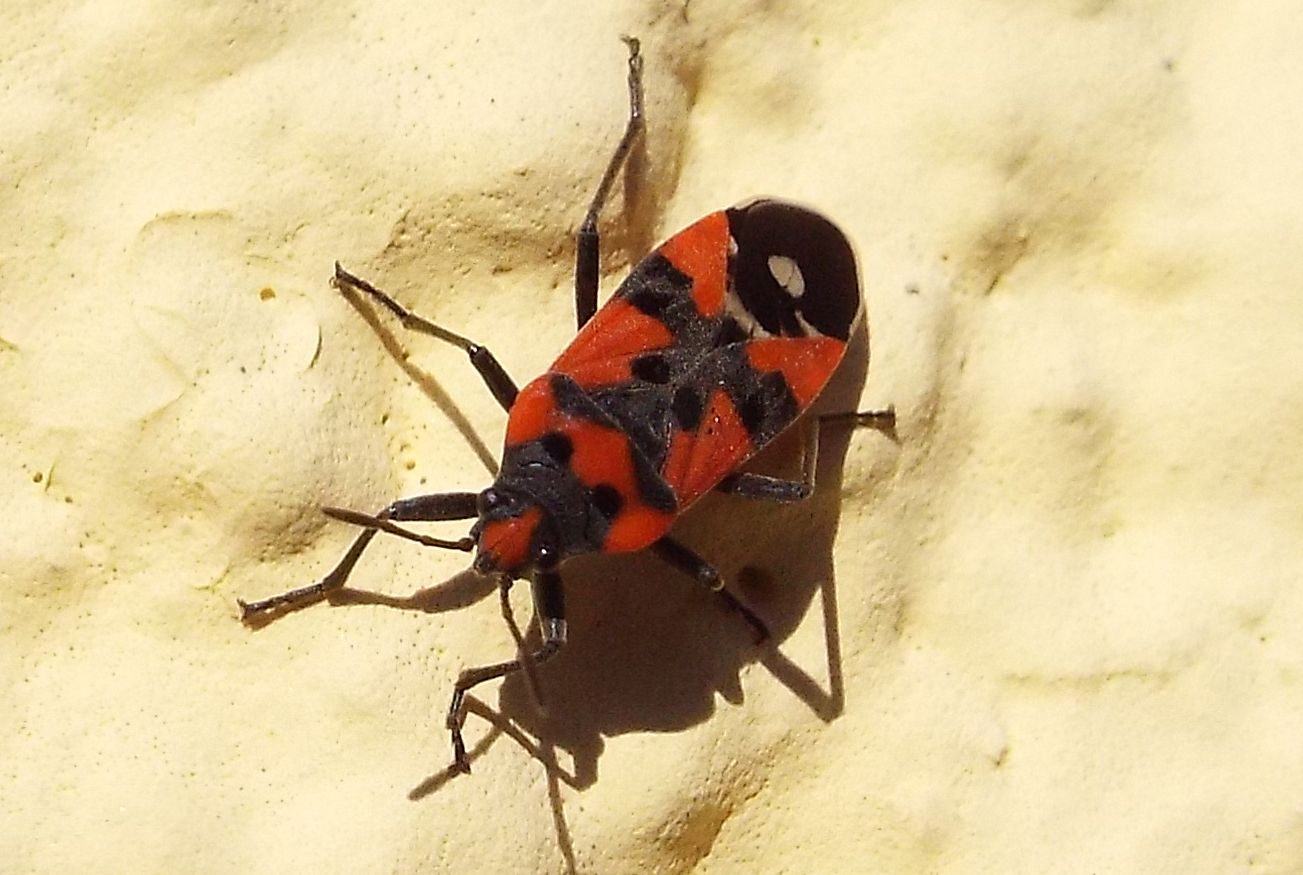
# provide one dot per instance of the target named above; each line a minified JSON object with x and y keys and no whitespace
{"x":550,"y":607}
{"x":587,"y":245}
{"x":676,"y":554}
{"x":493,"y":374}
{"x":762,"y":486}
{"x":419,"y":508}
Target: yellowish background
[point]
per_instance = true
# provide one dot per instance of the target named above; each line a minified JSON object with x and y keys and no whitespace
{"x":1064,"y":610}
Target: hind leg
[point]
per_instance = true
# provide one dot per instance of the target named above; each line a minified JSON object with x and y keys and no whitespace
{"x":762,"y":486}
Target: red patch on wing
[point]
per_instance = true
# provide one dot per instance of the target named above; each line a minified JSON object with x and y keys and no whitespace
{"x":507,"y":540}
{"x":698,"y":460}
{"x":678,"y":459}
{"x":806,"y":363}
{"x":700,"y":251}
{"x":602,"y":353}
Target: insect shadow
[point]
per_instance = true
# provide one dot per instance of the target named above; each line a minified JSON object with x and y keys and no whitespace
{"x":649,"y":649}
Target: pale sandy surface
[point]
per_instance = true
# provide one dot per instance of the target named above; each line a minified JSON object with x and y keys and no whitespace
{"x":1069,"y":601}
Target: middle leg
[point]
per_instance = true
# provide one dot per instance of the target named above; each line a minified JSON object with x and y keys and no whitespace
{"x":587,"y":241}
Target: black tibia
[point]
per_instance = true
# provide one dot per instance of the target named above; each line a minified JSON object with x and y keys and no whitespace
{"x":763,"y":486}
{"x":587,"y":243}
{"x":420,"y":508}
{"x":685,"y":560}
{"x":550,"y":610}
{"x":498,"y":380}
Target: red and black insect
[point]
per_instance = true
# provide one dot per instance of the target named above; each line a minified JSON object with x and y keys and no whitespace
{"x":714,"y":344}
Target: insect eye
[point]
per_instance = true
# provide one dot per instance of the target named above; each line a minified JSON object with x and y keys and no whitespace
{"x":545,"y":557}
{"x":488,"y":499}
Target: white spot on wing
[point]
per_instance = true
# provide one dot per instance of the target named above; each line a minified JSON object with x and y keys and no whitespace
{"x":788,"y":274}
{"x":734,"y":307}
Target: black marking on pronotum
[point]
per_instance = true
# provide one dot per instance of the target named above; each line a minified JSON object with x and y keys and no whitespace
{"x":607,"y":499}
{"x":558,"y":446}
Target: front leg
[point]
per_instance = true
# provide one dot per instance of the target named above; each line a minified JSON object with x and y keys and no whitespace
{"x":494,"y":375}
{"x":550,"y":608}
